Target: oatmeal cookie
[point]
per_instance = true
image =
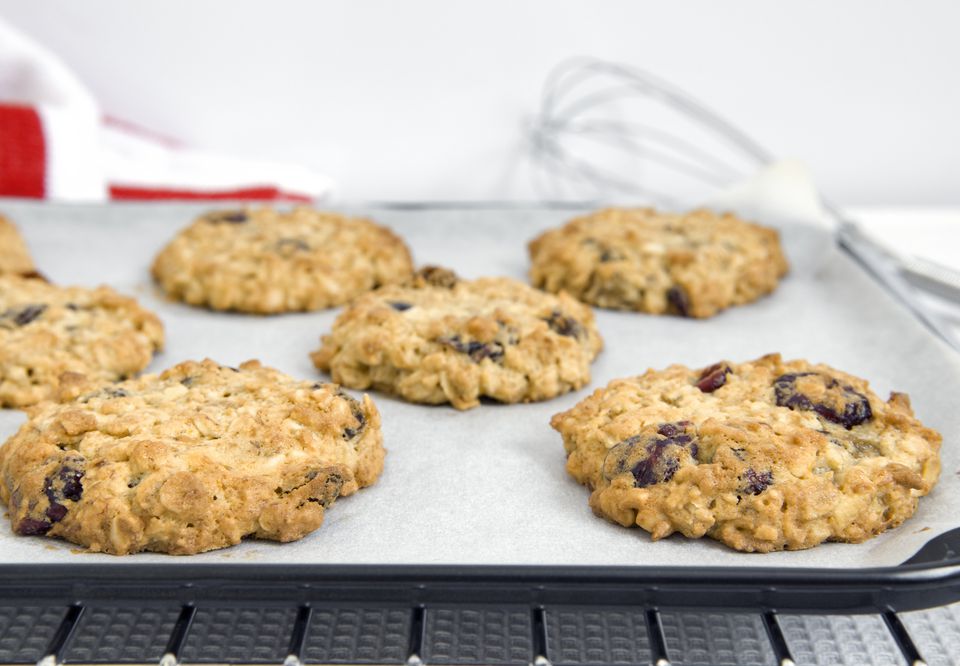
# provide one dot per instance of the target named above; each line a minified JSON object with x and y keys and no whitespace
{"x":47,"y":330}
{"x":765,"y":455}
{"x":440,"y":339}
{"x":693,"y":265}
{"x":14,"y":256}
{"x":267,"y":261}
{"x":190,"y":460}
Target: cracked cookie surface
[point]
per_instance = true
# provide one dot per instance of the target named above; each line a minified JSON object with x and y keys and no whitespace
{"x":47,"y":330}
{"x":267,"y":261}
{"x":438,"y":339}
{"x":762,"y":456}
{"x":692,"y":265}
{"x":196,"y":458}
{"x":14,"y":256}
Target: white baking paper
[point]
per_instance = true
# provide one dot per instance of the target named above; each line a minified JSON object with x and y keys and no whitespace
{"x":488,"y":486}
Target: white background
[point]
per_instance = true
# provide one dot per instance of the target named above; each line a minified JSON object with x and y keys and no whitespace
{"x":426,"y":99}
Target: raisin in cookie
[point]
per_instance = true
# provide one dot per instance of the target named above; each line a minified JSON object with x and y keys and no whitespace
{"x":766,"y":455}
{"x":440,"y":339}
{"x":692,"y":264}
{"x":267,"y":261}
{"x":14,"y":256}
{"x":194,"y":459}
{"x":46,"y":331}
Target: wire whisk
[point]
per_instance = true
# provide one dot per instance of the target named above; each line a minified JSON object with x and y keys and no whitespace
{"x":601,"y":134}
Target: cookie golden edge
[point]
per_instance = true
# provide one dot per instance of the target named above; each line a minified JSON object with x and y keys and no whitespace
{"x":15,"y":258}
{"x":444,"y":359}
{"x":561,"y":261}
{"x":190,"y":269}
{"x":95,"y":472}
{"x":759,"y":479}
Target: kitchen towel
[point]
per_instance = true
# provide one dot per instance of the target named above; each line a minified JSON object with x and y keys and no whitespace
{"x":55,"y":143}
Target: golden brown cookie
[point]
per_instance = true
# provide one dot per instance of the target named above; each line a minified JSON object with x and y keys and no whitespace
{"x":14,"y":256}
{"x":194,"y":459}
{"x":766,"y":455}
{"x":693,"y":264}
{"x":440,"y":339}
{"x":267,"y":261}
{"x":46,"y":331}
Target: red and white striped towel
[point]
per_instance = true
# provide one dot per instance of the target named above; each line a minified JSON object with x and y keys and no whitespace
{"x":55,"y":143}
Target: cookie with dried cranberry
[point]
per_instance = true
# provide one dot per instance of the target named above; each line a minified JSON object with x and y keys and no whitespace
{"x":14,"y":257}
{"x":439,"y":339}
{"x":762,"y":456}
{"x":46,"y":331}
{"x":268,"y":261}
{"x":196,"y":458}
{"x":692,"y":265}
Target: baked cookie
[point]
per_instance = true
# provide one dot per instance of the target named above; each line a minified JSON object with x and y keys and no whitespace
{"x":46,"y":331}
{"x":766,"y":455}
{"x":14,"y":256}
{"x":441,"y":339}
{"x":194,"y":459}
{"x":267,"y":261}
{"x":693,"y":264}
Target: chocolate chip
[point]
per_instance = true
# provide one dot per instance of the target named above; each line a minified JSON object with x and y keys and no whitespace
{"x":841,"y":403}
{"x":678,"y":301}
{"x":477,"y":351}
{"x":24,"y":315}
{"x":564,"y":325}
{"x":228,"y":216}
{"x":400,"y":306}
{"x":713,"y":377}
{"x":756,"y":482}
{"x":33,"y":527}
{"x":34,"y":275}
{"x":652,"y":459}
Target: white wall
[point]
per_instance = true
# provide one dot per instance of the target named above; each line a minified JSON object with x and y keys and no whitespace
{"x":425,"y":98}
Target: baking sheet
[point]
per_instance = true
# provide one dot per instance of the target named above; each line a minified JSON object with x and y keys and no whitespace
{"x":488,"y":486}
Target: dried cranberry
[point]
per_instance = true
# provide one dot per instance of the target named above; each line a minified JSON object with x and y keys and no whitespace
{"x":843,"y":405}
{"x":564,"y":325}
{"x":678,"y":300}
{"x":436,"y":277}
{"x":756,"y":482}
{"x":290,"y":245}
{"x":477,"y":351}
{"x":64,"y":485}
{"x":713,"y":377}
{"x":652,"y":459}
{"x":24,"y":315}
{"x":33,"y":527}
{"x":228,"y":216}
{"x":355,"y":409}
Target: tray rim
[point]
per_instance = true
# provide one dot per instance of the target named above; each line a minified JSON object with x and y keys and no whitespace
{"x":922,"y":581}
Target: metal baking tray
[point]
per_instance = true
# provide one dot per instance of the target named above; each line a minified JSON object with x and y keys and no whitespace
{"x":526,"y":597}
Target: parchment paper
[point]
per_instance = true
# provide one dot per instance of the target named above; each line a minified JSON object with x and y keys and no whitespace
{"x":488,"y":486}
